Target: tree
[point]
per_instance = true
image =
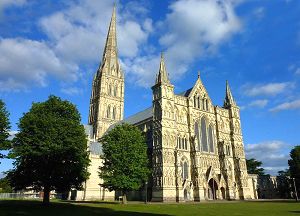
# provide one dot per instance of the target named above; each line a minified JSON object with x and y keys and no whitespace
{"x":254,"y":167}
{"x":283,"y":181}
{"x":4,"y":129}
{"x":294,"y":164}
{"x":5,"y":185}
{"x":125,"y":162}
{"x":50,"y":149}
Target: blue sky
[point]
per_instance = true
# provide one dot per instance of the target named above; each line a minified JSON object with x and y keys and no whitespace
{"x":54,"y":47}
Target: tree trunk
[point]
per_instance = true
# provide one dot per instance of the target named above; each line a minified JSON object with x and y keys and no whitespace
{"x":46,"y":197}
{"x":124,"y":198}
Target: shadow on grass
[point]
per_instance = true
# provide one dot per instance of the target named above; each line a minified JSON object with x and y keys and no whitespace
{"x":297,"y":212}
{"x":90,"y":202}
{"x":32,"y":208}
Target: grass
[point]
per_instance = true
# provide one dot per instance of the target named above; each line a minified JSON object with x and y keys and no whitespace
{"x":57,"y":208}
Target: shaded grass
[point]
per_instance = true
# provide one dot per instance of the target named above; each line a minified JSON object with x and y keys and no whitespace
{"x":32,"y":208}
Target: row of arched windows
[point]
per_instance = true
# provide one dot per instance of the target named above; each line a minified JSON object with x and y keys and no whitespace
{"x":112,"y":90}
{"x":200,"y":103}
{"x":227,"y":150}
{"x":182,"y":143}
{"x":205,"y":136}
{"x":111,"y":112}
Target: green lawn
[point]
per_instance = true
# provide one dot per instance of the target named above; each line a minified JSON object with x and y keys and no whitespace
{"x":32,"y":208}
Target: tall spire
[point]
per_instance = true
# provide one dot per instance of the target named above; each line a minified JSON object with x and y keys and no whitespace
{"x":229,"y":100}
{"x":162,"y":76}
{"x":110,"y":54}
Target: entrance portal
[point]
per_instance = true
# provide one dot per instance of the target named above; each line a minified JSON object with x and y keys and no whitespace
{"x":223,"y":193}
{"x":212,"y":189}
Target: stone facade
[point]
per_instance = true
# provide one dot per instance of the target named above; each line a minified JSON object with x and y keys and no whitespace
{"x":197,"y":149}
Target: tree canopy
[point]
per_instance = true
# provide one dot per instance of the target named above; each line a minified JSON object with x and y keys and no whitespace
{"x":5,"y":186}
{"x":254,"y":167}
{"x":125,"y":162}
{"x":294,"y":164}
{"x":50,"y":149}
{"x":4,"y":129}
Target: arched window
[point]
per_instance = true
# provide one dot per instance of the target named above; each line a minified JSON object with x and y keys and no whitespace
{"x":198,"y":102}
{"x":185,"y":170}
{"x":204,"y":136}
{"x":203,"y":104}
{"x":110,"y":90}
{"x":211,"y":138}
{"x":197,"y":135}
{"x":195,"y":101}
{"x":185,"y":141}
{"x":108,"y":112}
{"x":114,"y":113}
{"x":206,"y":104}
{"x":115,"y":91}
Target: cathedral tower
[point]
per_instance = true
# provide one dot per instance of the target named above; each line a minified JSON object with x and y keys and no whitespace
{"x":107,"y":98}
{"x":237,"y":146}
{"x":163,"y":124}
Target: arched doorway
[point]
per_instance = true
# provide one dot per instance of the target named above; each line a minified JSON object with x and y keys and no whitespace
{"x":185,"y":194}
{"x":212,"y":189}
{"x":223,"y":193}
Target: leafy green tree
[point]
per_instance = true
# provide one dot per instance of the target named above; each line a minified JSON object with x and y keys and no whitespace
{"x":5,"y":185}
{"x":125,"y":162}
{"x":283,"y":179}
{"x":294,"y":164}
{"x":4,"y":129}
{"x":50,"y":149}
{"x":254,"y":167}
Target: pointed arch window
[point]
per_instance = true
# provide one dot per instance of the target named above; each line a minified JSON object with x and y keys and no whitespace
{"x":198,"y":102}
{"x":109,"y":89}
{"x":211,"y":139}
{"x":204,"y":143}
{"x":108,"y":112}
{"x":206,"y":104}
{"x":115,"y":90}
{"x":197,"y":136}
{"x":184,"y":170}
{"x":114,"y":113}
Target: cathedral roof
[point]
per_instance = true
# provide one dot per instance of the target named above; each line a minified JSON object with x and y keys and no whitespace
{"x":140,"y":116}
{"x":186,"y":92}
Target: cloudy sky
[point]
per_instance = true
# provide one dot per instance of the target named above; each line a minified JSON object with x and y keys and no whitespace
{"x":54,"y":47}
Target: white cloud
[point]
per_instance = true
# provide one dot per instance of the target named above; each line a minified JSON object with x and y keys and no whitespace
{"x":297,"y":71}
{"x":75,"y":38}
{"x":270,"y":89}
{"x":287,"y":106}
{"x":195,"y":28}
{"x":23,"y":62}
{"x":259,"y":103}
{"x":270,"y":153}
{"x":72,"y":91}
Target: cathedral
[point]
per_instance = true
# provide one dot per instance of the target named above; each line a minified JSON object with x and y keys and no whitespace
{"x":196,"y":148}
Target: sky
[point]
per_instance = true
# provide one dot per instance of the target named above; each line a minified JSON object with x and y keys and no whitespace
{"x":54,"y":47}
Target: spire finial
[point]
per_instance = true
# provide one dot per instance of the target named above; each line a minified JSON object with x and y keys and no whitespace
{"x":198,"y":74}
{"x":110,"y":53}
{"x":163,"y":76}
